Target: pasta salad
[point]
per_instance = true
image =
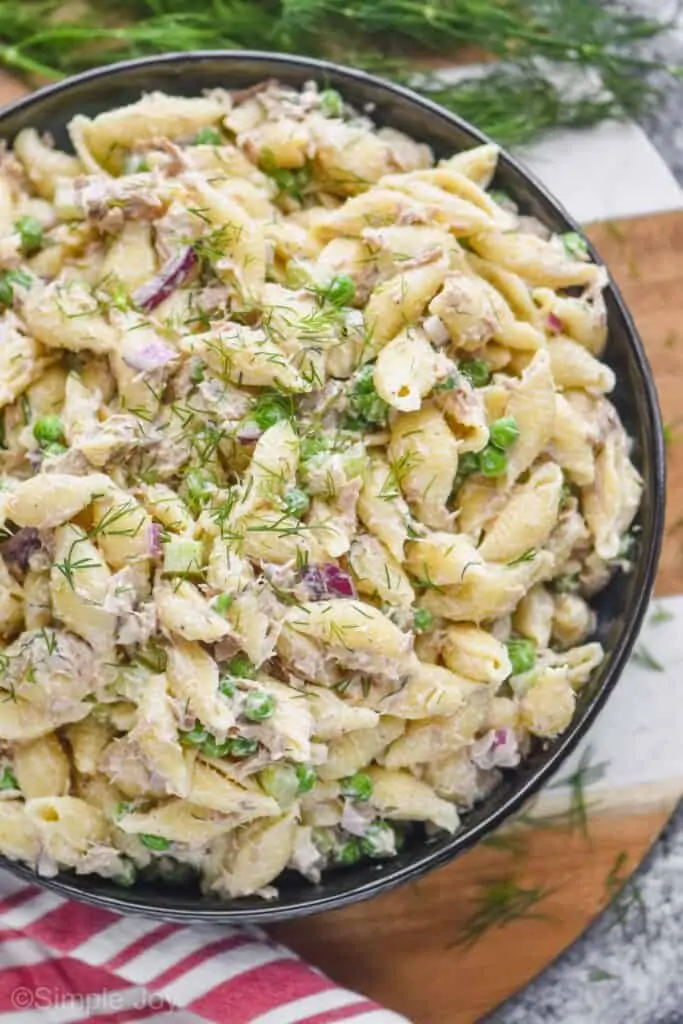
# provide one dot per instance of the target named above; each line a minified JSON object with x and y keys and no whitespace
{"x":308,"y":475}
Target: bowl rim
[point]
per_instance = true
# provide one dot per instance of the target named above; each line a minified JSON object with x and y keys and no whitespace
{"x":429,"y":858}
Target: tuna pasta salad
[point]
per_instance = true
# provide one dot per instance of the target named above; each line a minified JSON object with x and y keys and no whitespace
{"x":308,"y":474}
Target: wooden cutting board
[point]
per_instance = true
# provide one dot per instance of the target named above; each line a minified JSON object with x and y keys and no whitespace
{"x":406,"y":949}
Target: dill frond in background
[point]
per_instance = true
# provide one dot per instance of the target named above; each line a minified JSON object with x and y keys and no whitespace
{"x":396,"y":38}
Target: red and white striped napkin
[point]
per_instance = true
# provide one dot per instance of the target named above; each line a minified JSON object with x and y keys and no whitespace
{"x":62,"y":962}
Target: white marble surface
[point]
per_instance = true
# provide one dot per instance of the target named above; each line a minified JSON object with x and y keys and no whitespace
{"x":638,"y":736}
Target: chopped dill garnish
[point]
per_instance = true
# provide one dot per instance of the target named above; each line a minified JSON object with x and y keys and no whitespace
{"x":527,"y":556}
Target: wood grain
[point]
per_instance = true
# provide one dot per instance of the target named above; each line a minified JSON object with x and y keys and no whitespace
{"x":644,"y":256}
{"x":402,"y":949}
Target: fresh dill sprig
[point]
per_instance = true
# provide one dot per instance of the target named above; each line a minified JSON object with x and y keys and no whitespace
{"x":508,"y":841}
{"x":514,"y":102}
{"x":498,"y":904}
{"x":660,"y":615}
{"x":576,"y":813}
{"x":598,"y":974}
{"x":624,"y":896}
{"x":644,"y":658}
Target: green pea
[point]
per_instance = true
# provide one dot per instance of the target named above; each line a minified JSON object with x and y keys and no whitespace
{"x":280,"y":781}
{"x":504,"y":432}
{"x":31,"y":232}
{"x":477,"y":372}
{"x":297,"y":502}
{"x":8,"y":780}
{"x":366,"y":408}
{"x":223,"y":602}
{"x":211,"y":747}
{"x":48,"y":429}
{"x":379,"y":840}
{"x":227,"y":686}
{"x":449,"y":383}
{"x":502,"y":198}
{"x":492,"y":461}
{"x":306,"y":777}
{"x":241,"y":667}
{"x":243,"y":746}
{"x":331,"y":103}
{"x":8,"y":280}
{"x":54,"y":448}
{"x":258,"y":706}
{"x":193,"y":737}
{"x":269,"y":410}
{"x":357,"y":787}
{"x":291,"y":182}
{"x":341,"y":290}
{"x":522,"y":655}
{"x":154,"y":842}
{"x":422,"y":620}
{"x":349,"y":853}
{"x":574,"y":245}
{"x":468,"y":464}
{"x":207,"y":137}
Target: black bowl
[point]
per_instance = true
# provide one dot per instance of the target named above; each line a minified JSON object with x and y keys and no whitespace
{"x":620,"y":607}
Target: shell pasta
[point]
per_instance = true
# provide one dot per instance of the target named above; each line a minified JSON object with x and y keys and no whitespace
{"x":308,"y":473}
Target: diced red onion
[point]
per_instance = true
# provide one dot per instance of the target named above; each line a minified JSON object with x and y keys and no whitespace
{"x":173,"y":273}
{"x":554,"y":324}
{"x":18,"y":549}
{"x":498,"y":748}
{"x":327,"y":581}
{"x":154,"y":540}
{"x":151,"y":356}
